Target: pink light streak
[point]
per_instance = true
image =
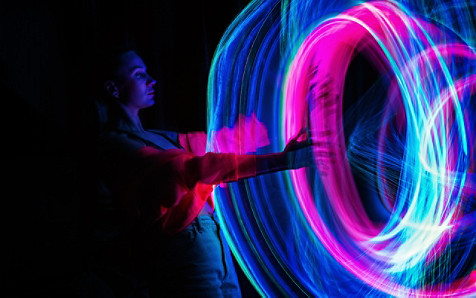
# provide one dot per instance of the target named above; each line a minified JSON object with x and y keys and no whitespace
{"x":314,"y":83}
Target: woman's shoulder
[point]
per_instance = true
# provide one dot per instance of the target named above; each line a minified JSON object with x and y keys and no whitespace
{"x":120,"y":141}
{"x":166,"y":133}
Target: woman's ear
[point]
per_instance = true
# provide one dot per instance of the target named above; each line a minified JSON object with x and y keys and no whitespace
{"x":111,"y":88}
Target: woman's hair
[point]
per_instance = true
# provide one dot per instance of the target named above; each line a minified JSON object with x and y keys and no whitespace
{"x":106,"y":65}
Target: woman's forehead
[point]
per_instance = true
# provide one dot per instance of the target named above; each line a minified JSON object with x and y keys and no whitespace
{"x":130,"y":61}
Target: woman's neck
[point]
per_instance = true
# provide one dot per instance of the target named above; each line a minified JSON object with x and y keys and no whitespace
{"x":133,"y":115}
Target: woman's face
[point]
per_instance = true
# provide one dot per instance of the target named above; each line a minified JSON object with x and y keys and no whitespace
{"x":135,"y":87}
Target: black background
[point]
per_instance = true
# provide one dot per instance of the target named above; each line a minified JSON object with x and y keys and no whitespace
{"x":46,"y":50}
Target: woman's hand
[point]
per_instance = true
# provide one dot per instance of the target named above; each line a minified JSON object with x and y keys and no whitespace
{"x":297,"y":142}
{"x":298,"y":151}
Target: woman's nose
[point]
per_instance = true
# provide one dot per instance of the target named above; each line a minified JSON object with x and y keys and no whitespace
{"x":151,"y":81}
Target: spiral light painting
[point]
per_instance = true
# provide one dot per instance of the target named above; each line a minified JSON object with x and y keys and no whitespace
{"x":384,"y":90}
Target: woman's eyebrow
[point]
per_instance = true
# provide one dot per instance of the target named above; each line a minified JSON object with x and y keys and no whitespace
{"x":138,"y":67}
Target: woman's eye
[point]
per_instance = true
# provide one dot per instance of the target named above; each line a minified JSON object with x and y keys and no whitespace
{"x":140,"y":75}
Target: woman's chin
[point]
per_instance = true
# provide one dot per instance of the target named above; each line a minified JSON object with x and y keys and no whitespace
{"x":149,"y":103}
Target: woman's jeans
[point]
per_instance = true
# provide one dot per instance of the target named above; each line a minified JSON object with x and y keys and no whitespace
{"x":196,"y":262}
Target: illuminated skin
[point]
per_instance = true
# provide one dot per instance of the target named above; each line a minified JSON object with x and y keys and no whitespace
{"x":134,"y":87}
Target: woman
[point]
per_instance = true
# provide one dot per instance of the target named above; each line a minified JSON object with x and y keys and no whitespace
{"x":159,"y":221}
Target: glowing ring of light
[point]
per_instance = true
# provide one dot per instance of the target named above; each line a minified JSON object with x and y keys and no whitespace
{"x":318,"y":58}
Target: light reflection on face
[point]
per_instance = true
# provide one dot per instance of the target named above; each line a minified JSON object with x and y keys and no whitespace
{"x":135,"y":85}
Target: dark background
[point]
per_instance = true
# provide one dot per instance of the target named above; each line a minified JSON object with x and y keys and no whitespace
{"x":46,"y":54}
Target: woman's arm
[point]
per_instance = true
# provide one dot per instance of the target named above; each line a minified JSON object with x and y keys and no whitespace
{"x":178,"y":171}
{"x":214,"y":168}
